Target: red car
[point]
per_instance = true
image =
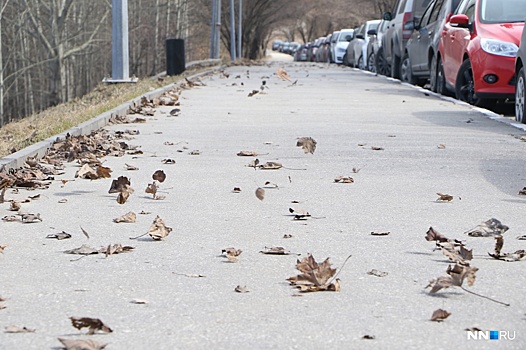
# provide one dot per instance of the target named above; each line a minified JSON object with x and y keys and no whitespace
{"x":477,"y":50}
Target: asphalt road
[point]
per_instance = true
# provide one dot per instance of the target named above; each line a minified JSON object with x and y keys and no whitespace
{"x":389,"y":131}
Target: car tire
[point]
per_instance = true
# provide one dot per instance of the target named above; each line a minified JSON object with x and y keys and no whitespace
{"x":395,"y":67}
{"x":465,"y":86}
{"x":360,"y":64}
{"x":520,"y":95}
{"x":371,"y":64}
{"x":344,"y":60}
{"x":441,"y":81}
{"x":406,"y":73}
{"x":433,"y":74}
{"x":382,"y":67}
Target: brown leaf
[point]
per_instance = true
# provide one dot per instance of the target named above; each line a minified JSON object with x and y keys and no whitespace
{"x":15,"y":206}
{"x":369,"y":337}
{"x":344,"y":179}
{"x":275,"y":251}
{"x":253,"y":92}
{"x":159,"y":175}
{"x":282,"y":74}
{"x":236,"y":190}
{"x":93,"y":324}
{"x":124,"y":194}
{"x":195,"y":152}
{"x":491,"y":227}
{"x":523,"y":191}
{"x":444,"y":197}
{"x":63,"y":200}
{"x":81,"y":344}
{"x":168,"y":161}
{"x":31,"y":218}
{"x":314,"y":277}
{"x":86,"y":172}
{"x":439,"y":283}
{"x":242,"y":289}
{"x":441,"y":146}
{"x":434,"y":235}
{"x":115,"y":249}
{"x":103,"y":172}
{"x":270,"y":166}
{"x":131,"y":167}
{"x":374,"y":148}
{"x":129,"y":217}
{"x":151,"y":188}
{"x":83,"y":250}
{"x":308,"y":144}
{"x":377,"y":273}
{"x":16,"y":329}
{"x":509,"y":257}
{"x":2,"y":247}
{"x":380,"y":233}
{"x":247,"y":154}
{"x":158,"y":230}
{"x":440,"y":315}
{"x":119,"y":184}
{"x":260,"y":193}
{"x":232,"y":254}
{"x":60,"y":236}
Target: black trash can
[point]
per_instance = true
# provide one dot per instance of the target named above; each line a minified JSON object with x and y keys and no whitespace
{"x":175,"y":61}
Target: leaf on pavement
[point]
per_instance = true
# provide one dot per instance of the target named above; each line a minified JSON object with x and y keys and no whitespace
{"x":236,"y":190}
{"x":314,"y":277}
{"x":444,"y":197}
{"x":441,"y":146}
{"x":253,"y":92}
{"x":31,"y":218}
{"x":377,"y":273}
{"x":93,"y":324}
{"x":129,"y":217}
{"x":299,"y":214}
{"x":282,"y":74}
{"x":119,"y":184}
{"x":523,"y":191}
{"x":82,"y":250}
{"x":509,"y":257}
{"x":456,"y":277}
{"x":81,"y":344}
{"x":260,"y":193}
{"x":16,"y":329}
{"x":375,"y":148}
{"x":241,"y":289}
{"x":457,"y":256}
{"x":87,"y":172}
{"x":440,"y":315}
{"x":2,"y":247}
{"x":131,"y":167}
{"x":380,"y":233}
{"x":158,"y":230}
{"x":275,"y":251}
{"x":247,"y":154}
{"x":60,"y":236}
{"x":124,"y":194}
{"x":491,"y":227}
{"x":270,"y":166}
{"x":15,"y":206}
{"x":232,"y":254}
{"x":434,"y":235}
{"x":308,"y":144}
{"x":344,"y":179}
{"x":115,"y":249}
{"x":159,"y":175}
{"x":168,"y":161}
{"x":254,"y":163}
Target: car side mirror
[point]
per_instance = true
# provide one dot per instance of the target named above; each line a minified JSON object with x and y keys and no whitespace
{"x":417,"y":23}
{"x":348,"y":38}
{"x":459,"y":21}
{"x":372,"y":32}
{"x":359,"y":36}
{"x":388,"y":16}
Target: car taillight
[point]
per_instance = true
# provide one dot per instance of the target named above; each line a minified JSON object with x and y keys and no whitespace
{"x":407,"y":25}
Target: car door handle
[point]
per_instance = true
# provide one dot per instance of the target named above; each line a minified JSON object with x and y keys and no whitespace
{"x":430,"y":33}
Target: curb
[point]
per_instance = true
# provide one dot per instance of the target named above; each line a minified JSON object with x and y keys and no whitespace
{"x":39,"y":149}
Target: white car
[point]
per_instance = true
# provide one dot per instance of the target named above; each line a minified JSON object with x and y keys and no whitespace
{"x":332,"y":47}
{"x":340,"y":49}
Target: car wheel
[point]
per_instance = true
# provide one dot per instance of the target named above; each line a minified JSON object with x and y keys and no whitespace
{"x":465,"y":86}
{"x":433,"y":74}
{"x":344,"y":60}
{"x":395,"y":67}
{"x":520,"y":95}
{"x":382,"y":67}
{"x":406,"y":74}
{"x":360,"y":64}
{"x":371,"y":66}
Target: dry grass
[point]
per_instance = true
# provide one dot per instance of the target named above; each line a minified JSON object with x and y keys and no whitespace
{"x":17,"y":135}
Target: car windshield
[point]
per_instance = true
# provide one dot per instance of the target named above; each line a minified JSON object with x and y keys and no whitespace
{"x":346,"y":36}
{"x":502,"y":11}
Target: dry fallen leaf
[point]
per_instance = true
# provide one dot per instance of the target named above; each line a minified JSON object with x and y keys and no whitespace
{"x":275,"y":251}
{"x":441,"y":146}
{"x":139,"y":301}
{"x":299,"y":214}
{"x":434,"y":235}
{"x":129,"y":217}
{"x":115,"y":249}
{"x":16,"y":329}
{"x":119,"y":184}
{"x":232,"y":254}
{"x":385,"y":233}
{"x":83,"y":250}
{"x":253,"y":92}
{"x":31,"y":218}
{"x":314,"y":277}
{"x":260,"y":193}
{"x":63,"y":200}
{"x":168,"y":161}
{"x":124,"y":194}
{"x":81,"y":344}
{"x":270,"y":166}
{"x":131,"y":167}
{"x":241,"y":289}
{"x":344,"y":179}
{"x":369,"y":337}
{"x":308,"y":144}
{"x":60,"y":236}
{"x":159,"y":175}
{"x":377,"y":273}
{"x":440,"y":315}
{"x":282,"y":74}
{"x":2,"y":247}
{"x":444,"y":197}
{"x":93,"y":324}
{"x":374,"y":148}
{"x":236,"y":190}
{"x":158,"y":230}
{"x":15,"y":206}
{"x":491,"y":227}
{"x":247,"y":154}
{"x":509,"y":257}
{"x":456,"y":276}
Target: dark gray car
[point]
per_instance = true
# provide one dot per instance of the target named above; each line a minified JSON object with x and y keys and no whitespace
{"x":520,"y":81}
{"x":421,"y":48}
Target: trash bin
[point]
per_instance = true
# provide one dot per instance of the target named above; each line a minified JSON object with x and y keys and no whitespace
{"x":175,"y":61}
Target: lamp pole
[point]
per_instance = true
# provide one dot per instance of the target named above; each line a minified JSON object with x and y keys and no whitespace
{"x":232,"y":31}
{"x":240,"y":31}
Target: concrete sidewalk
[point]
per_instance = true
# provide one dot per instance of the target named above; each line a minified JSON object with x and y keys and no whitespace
{"x":348,"y":113}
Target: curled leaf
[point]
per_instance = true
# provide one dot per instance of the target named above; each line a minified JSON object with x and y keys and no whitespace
{"x":491,"y":227}
{"x":260,"y":193}
{"x":158,"y":230}
{"x":159,"y":175}
{"x":129,"y":217}
{"x":93,"y":324}
{"x":232,"y":254}
{"x":308,"y":144}
{"x":344,"y":179}
{"x":444,"y":197}
{"x":440,"y":315}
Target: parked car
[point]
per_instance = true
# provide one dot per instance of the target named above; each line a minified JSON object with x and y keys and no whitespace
{"x":275,"y":44}
{"x":376,"y":62}
{"x":363,"y":59}
{"x":478,"y":48}
{"x":322,"y":54}
{"x":520,"y":78}
{"x":301,"y":54}
{"x":419,"y":58}
{"x":332,"y":47}
{"x":345,"y":36}
{"x":399,"y":31}
{"x":354,"y":48}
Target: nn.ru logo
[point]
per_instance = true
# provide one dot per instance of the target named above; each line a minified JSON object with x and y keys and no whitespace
{"x":491,"y":335}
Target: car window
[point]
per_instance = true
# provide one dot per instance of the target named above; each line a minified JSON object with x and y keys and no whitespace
{"x":373,"y":26}
{"x":436,"y":11}
{"x":345,"y":36}
{"x":427,"y":14}
{"x":502,"y":11}
{"x":470,"y":11}
{"x":419,"y":6}
{"x":401,"y":7}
